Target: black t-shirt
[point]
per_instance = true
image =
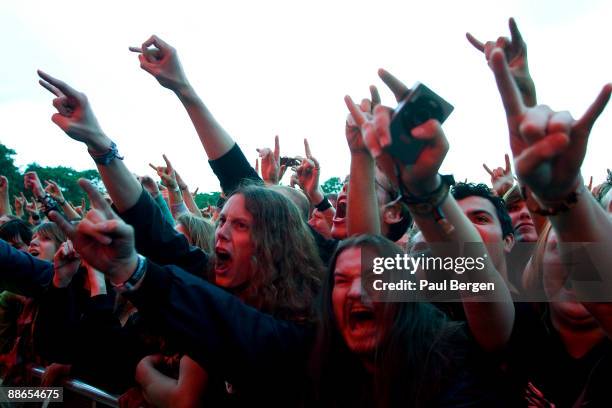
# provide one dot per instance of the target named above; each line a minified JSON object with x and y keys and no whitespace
{"x":539,"y":364}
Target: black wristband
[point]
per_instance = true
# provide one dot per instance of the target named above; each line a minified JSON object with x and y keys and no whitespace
{"x":48,"y":204}
{"x":323,"y":205}
{"x":105,"y":158}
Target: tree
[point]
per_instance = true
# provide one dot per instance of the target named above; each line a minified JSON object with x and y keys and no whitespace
{"x":8,"y":169}
{"x":203,"y":200}
{"x":332,"y":186}
{"x":67,"y":178}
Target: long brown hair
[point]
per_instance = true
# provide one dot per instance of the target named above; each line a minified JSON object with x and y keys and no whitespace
{"x":417,"y":349}
{"x":286,"y":266}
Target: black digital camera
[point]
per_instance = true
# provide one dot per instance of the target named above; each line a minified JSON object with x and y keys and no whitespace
{"x":420,"y":105}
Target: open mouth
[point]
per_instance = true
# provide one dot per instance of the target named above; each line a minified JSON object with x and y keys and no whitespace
{"x":33,"y":251}
{"x":223,"y":260}
{"x":360,"y":319}
{"x":340,"y":211}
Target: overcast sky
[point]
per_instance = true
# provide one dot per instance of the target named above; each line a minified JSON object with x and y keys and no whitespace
{"x":283,"y":67}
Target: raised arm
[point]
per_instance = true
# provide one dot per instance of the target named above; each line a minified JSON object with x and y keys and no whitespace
{"x":308,"y":179}
{"x":76,"y":118}
{"x":156,"y":237}
{"x":225,"y":157}
{"x":188,"y":197}
{"x":161,"y":60}
{"x":225,"y":335}
{"x":168,"y":178}
{"x":515,"y":50}
{"x":549,"y":151}
{"x":489,"y":316}
{"x":362,"y":210}
{"x":502,"y":179}
{"x":55,"y":191}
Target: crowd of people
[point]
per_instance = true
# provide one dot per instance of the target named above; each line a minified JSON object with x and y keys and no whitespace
{"x":263,"y":299}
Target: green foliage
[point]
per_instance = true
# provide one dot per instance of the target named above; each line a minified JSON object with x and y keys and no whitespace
{"x":8,"y":169}
{"x":333,"y":185}
{"x":66,"y":177}
{"x":203,"y":200}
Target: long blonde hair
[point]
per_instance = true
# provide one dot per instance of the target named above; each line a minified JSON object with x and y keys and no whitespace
{"x":201,"y":231}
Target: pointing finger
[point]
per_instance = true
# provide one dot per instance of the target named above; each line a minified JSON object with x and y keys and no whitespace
{"x":307,"y":149}
{"x":477,"y":44}
{"x":61,"y":85}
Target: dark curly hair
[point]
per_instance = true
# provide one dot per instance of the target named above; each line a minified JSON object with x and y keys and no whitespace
{"x":464,"y":190}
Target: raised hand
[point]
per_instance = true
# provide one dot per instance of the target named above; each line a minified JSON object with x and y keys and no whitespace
{"x":179,"y":181}
{"x":160,"y":59}
{"x":66,"y":264}
{"x":32,"y":182}
{"x":102,"y":239}
{"x":31,"y":207}
{"x":19,"y":204}
{"x":55,"y":191}
{"x":166,"y":173}
{"x":422,"y":176}
{"x":149,"y":184}
{"x":81,"y":209}
{"x":515,"y":50}
{"x":352,"y":130}
{"x":502,"y":179}
{"x":271,"y":170}
{"x":75,"y":116}
{"x":308,"y":176}
{"x":548,"y":147}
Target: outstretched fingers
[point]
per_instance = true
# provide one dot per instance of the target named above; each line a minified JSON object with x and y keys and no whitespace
{"x":355,"y":111}
{"x":374,"y":96}
{"x":63,"y":87}
{"x":395,"y":85}
{"x":50,"y":88}
{"x":517,"y":38}
{"x":510,"y":95}
{"x":276,"y":149}
{"x":168,"y":164}
{"x":476,"y":43}
{"x":586,"y":122}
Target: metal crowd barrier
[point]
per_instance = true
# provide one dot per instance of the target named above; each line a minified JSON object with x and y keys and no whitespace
{"x":83,"y":389}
